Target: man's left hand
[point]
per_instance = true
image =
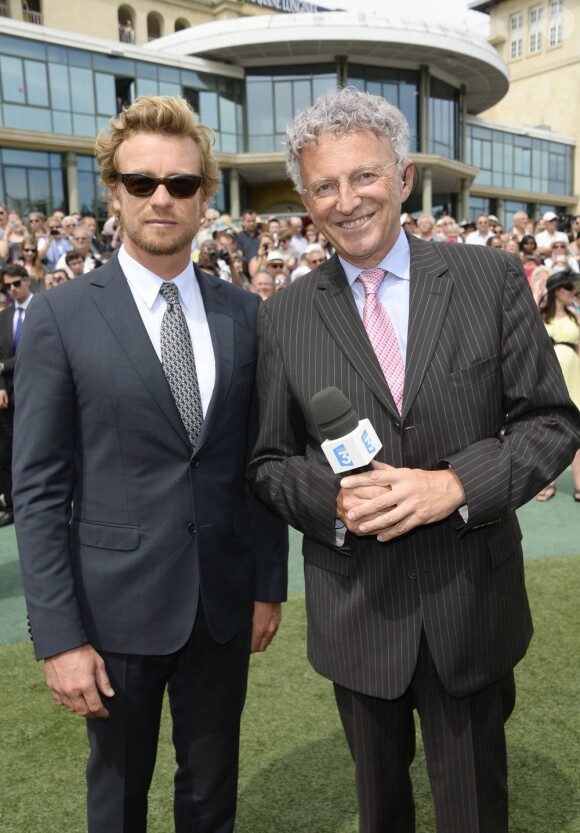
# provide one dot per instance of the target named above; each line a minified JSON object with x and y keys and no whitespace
{"x":265,"y":623}
{"x":401,"y":500}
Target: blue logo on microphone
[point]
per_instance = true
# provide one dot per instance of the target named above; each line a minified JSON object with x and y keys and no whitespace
{"x":343,"y":457}
{"x":368,"y":442}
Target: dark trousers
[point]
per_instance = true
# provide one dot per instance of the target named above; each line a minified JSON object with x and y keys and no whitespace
{"x":206,"y":684}
{"x":6,"y":435}
{"x":464,"y":742}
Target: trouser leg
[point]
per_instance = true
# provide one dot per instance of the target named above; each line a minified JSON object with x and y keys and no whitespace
{"x":123,"y":747}
{"x":465,"y":750}
{"x":206,"y":694}
{"x":381,"y":737}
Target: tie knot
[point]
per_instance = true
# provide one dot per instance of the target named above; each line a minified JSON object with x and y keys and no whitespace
{"x":169,"y":292}
{"x":371,"y":280}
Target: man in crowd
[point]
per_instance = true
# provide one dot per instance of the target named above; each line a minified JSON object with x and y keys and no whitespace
{"x":298,"y":241}
{"x":482,"y":232}
{"x":414,"y":572}
{"x":425,"y":226}
{"x":519,"y":227}
{"x":81,"y":244}
{"x":145,"y":565}
{"x":16,"y":283}
{"x":248,"y":239}
{"x":549,"y":234}
{"x":262,"y":284}
{"x":58,"y":244}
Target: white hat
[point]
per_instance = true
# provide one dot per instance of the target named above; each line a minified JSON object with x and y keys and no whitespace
{"x":276,"y":256}
{"x":549,"y":215}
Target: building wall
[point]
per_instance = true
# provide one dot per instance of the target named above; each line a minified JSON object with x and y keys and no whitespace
{"x":543,"y":85}
{"x":100,"y":18}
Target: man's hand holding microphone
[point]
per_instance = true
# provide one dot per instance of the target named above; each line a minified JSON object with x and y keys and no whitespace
{"x":375,"y":498}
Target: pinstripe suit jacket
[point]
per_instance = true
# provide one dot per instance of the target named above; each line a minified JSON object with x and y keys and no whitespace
{"x":483,"y":393}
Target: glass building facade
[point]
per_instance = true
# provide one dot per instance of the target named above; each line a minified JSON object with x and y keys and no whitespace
{"x":60,"y":91}
{"x":512,"y":160}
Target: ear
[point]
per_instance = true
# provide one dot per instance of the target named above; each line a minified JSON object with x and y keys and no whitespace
{"x":115,"y":202}
{"x":407,"y":180}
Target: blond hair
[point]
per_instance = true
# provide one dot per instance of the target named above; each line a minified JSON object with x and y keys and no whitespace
{"x":161,"y":114}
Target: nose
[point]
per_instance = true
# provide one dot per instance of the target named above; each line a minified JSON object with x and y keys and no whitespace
{"x":347,"y":198}
{"x":161,"y":197}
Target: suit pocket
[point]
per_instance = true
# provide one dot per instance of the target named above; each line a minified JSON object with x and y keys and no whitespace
{"x":106,"y":536}
{"x":464,"y":377}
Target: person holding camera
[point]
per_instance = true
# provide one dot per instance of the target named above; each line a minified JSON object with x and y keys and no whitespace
{"x":58,"y":244}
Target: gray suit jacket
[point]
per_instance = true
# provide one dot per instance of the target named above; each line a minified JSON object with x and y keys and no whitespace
{"x":119,"y":522}
{"x":483,"y":393}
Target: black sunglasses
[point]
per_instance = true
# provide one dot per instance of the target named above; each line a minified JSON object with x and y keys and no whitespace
{"x":569,"y":286}
{"x":15,"y":283}
{"x":30,"y":250}
{"x":180,"y":186}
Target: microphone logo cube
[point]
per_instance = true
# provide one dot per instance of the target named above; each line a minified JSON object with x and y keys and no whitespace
{"x":368,"y":443}
{"x":343,"y":457}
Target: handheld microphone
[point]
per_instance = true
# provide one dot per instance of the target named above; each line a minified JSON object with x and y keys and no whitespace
{"x":349,"y":444}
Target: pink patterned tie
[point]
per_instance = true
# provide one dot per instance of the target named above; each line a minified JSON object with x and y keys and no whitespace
{"x":382,"y":334}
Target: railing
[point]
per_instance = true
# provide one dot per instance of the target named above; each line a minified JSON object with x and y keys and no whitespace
{"x":29,"y":16}
{"x":4,"y":10}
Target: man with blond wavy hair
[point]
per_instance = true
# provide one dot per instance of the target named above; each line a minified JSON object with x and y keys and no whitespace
{"x":146,"y":566}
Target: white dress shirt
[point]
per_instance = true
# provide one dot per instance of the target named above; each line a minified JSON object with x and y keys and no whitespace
{"x":144,"y":286}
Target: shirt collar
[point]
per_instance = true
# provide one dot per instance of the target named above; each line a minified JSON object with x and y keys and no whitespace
{"x":24,"y":304}
{"x":397,"y":261}
{"x":147,"y":283}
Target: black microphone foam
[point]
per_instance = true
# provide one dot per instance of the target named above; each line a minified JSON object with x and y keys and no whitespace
{"x":333,"y":413}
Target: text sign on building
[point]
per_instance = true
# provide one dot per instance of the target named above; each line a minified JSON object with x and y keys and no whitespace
{"x":290,"y":6}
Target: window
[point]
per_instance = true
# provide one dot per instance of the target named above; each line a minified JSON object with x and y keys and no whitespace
{"x":516,"y":26}
{"x":535,"y":27}
{"x":556,"y":22}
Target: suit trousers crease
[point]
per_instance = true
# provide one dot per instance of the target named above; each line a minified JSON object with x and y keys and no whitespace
{"x":465,"y":751}
{"x":206,"y":684}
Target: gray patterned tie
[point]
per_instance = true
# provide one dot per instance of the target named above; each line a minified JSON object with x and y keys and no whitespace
{"x":179,"y":363}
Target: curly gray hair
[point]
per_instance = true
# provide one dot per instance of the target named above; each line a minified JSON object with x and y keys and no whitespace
{"x":339,"y":111}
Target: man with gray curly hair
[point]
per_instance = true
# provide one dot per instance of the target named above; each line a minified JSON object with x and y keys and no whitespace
{"x":414,"y":573}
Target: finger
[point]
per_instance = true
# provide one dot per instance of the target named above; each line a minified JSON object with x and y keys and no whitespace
{"x":103,"y":682}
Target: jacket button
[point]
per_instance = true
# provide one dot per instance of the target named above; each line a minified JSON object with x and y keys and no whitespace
{"x":191,"y":528}
{"x":194,"y":463}
{"x":397,"y":427}
{"x":412,"y":573}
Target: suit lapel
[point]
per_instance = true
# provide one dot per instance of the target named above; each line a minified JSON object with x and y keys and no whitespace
{"x":221,"y":327}
{"x":115,"y":302}
{"x":336,"y":305}
{"x":430,"y":294}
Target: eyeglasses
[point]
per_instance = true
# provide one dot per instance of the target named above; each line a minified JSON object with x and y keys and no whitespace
{"x":360,"y":181}
{"x":78,"y":239}
{"x":32,"y":251}
{"x":59,"y":278}
{"x":179,"y":186}
{"x":568,"y":286}
{"x":13,"y":284}
{"x":276,"y":265}
{"x":559,"y":246}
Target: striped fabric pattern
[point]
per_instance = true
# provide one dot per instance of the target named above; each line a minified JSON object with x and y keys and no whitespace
{"x":483,"y":393}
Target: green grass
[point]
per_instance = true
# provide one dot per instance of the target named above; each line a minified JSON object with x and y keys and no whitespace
{"x":296,"y":775}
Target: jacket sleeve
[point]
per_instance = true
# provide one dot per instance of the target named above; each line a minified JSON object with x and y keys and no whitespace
{"x":542,"y":426}
{"x":44,"y":474}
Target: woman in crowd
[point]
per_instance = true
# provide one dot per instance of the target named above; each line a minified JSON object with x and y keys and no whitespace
{"x":563,"y":326}
{"x":30,"y":258}
{"x":257,"y":263}
{"x":530,"y":258}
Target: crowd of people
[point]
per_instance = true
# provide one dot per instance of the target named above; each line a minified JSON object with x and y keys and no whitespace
{"x":266,"y":255}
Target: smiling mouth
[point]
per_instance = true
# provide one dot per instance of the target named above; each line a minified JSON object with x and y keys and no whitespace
{"x":354,"y":224}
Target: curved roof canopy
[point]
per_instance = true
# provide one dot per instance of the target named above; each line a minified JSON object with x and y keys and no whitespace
{"x":291,"y":39}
